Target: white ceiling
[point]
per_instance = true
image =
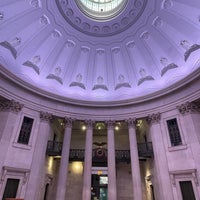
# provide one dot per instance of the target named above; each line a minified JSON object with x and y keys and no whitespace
{"x":53,"y":46}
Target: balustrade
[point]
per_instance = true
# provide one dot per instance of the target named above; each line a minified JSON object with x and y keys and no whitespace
{"x":145,"y":150}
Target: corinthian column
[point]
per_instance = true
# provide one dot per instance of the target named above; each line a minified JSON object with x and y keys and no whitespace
{"x":63,"y":171}
{"x":112,"y":188}
{"x":135,"y":165}
{"x":86,"y":195}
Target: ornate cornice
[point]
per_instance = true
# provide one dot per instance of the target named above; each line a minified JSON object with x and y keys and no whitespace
{"x":11,"y":105}
{"x":188,"y":107}
{"x":154,"y":118}
{"x":45,"y":116}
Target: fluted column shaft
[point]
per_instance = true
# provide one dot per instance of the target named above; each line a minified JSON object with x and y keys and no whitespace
{"x":112,"y":188}
{"x":135,"y":166}
{"x":63,"y":171}
{"x":86,"y":194}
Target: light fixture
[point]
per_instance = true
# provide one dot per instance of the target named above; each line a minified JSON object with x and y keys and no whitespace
{"x":57,"y":157}
{"x":116,"y":128}
{"x":83,"y":128}
{"x":100,"y":125}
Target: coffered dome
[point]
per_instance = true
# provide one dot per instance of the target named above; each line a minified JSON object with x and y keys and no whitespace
{"x":74,"y":51}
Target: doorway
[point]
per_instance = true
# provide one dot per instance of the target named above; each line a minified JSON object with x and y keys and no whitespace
{"x":99,"y":185}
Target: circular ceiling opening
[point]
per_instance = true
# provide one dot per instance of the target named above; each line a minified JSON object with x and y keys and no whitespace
{"x":101,"y":9}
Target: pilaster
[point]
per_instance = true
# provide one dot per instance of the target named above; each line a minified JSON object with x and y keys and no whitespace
{"x":163,"y":187}
{"x":38,"y":161}
{"x":9,"y":116}
{"x":189,"y":118}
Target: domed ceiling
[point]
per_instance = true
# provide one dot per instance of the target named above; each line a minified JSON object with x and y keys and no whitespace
{"x":101,"y":51}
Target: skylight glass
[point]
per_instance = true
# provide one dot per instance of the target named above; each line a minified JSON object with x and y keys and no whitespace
{"x":101,"y":9}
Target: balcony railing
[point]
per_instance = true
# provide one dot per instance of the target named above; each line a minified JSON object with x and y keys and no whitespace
{"x":145,"y":150}
{"x":54,"y":148}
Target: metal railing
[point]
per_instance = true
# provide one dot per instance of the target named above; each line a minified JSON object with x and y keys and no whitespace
{"x":122,"y":156}
{"x":145,"y":150}
{"x":54,"y":148}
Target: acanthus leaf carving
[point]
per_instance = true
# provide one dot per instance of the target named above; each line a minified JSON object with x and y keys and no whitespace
{"x":45,"y":116}
{"x":188,"y":107}
{"x":11,"y":105}
{"x":154,"y":118}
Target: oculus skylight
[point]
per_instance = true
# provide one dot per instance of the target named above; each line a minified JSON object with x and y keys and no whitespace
{"x":101,"y":9}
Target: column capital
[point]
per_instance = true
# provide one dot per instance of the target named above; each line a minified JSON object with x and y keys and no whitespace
{"x":188,"y":107}
{"x":90,"y":123}
{"x":68,"y":121}
{"x":11,"y":105}
{"x":45,"y":116}
{"x":131,"y":122}
{"x":110,"y":124}
{"x":154,"y":118}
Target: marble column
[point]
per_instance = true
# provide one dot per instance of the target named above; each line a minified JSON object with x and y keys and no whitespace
{"x":38,"y":160}
{"x":135,"y":165}
{"x":63,"y":170}
{"x":86,"y":194}
{"x":163,"y":187}
{"x":112,"y":186}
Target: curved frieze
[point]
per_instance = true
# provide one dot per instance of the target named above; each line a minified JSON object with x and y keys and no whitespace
{"x":132,"y":12}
